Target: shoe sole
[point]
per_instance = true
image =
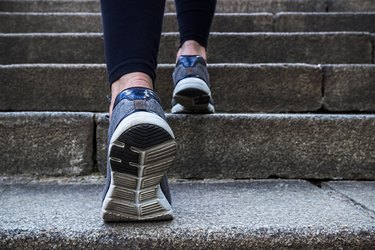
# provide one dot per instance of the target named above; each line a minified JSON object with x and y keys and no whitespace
{"x":192,"y":95}
{"x":141,"y":151}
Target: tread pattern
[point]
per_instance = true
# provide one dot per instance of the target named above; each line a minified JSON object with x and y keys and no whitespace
{"x":123,"y":154}
{"x":139,"y":159}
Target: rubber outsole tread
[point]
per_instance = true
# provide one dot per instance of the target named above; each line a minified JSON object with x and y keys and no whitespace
{"x":192,"y":100}
{"x":139,"y":159}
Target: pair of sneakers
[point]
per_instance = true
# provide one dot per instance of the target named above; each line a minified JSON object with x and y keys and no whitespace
{"x":142,"y":147}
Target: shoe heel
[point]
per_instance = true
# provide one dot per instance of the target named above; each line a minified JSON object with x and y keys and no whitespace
{"x":139,"y":157}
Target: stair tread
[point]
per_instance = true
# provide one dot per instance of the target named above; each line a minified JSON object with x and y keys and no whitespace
{"x":298,"y":47}
{"x":208,"y":214}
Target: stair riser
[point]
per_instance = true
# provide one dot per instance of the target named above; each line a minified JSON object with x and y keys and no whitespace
{"x":267,"y":88}
{"x":315,"y":48}
{"x":310,"y":22}
{"x":265,"y":22}
{"x":46,"y":143}
{"x":222,"y":6}
{"x":347,"y":5}
{"x":349,"y":88}
{"x":92,"y":23}
{"x":261,"y":88}
{"x":211,"y":146}
{"x":235,"y":88}
{"x":263,"y":146}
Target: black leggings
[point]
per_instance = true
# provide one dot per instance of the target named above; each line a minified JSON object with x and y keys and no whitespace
{"x":132,"y":31}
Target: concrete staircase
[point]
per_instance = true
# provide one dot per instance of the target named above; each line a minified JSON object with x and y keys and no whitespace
{"x":287,"y":162}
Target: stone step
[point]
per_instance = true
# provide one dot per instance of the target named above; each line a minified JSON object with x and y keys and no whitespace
{"x":91,"y":22}
{"x":262,"y":214}
{"x":315,"y":48}
{"x":223,"y":22}
{"x":222,"y":6}
{"x":312,"y":22}
{"x":307,"y":146}
{"x":235,"y":87}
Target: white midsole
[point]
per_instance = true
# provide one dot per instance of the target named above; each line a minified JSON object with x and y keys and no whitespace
{"x":177,"y":108}
{"x":191,"y":83}
{"x":140,"y":117}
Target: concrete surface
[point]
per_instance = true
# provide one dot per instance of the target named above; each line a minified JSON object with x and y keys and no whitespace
{"x":53,"y":87}
{"x":266,"y":214}
{"x":50,"y":6}
{"x":312,"y":22}
{"x":16,"y":22}
{"x":359,"y":192}
{"x":235,"y":87}
{"x":349,"y":88}
{"x":46,"y":143}
{"x":268,"y":145}
{"x":257,"y":87}
{"x":314,"y":48}
{"x":347,"y":5}
{"x":34,"y":22}
{"x":222,"y":6}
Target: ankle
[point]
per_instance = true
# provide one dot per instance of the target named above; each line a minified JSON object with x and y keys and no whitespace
{"x":131,"y":80}
{"x":191,"y":48}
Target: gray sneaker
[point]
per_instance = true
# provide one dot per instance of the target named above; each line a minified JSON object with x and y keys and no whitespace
{"x":192,"y":92}
{"x":141,"y":148}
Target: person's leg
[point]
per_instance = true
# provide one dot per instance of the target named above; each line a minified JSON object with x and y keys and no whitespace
{"x":141,"y":145}
{"x":192,"y":92}
{"x":194,"y":21}
{"x":132,"y":30}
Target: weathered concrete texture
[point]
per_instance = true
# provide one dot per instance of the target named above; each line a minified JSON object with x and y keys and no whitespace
{"x":58,"y":87}
{"x":311,"y":22}
{"x":232,"y":22}
{"x":90,"y":22}
{"x":101,"y":139}
{"x":50,"y":5}
{"x":222,"y":5}
{"x":264,"y":145}
{"x":349,"y":88}
{"x":223,"y":22}
{"x":208,"y":215}
{"x":256,"y":87}
{"x":350,"y":5}
{"x":46,"y":143}
{"x":49,"y":22}
{"x":359,"y":192}
{"x":242,"y":6}
{"x":316,"y":48}
{"x":259,"y":88}
{"x":51,"y":48}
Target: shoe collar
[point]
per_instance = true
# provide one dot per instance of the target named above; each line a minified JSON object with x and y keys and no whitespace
{"x":136,"y":93}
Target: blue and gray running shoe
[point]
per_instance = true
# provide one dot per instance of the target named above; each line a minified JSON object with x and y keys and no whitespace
{"x":141,"y":148}
{"x":192,"y":92}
